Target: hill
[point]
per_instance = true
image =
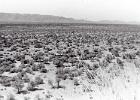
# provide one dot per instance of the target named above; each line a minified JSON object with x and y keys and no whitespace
{"x":36,"y":18}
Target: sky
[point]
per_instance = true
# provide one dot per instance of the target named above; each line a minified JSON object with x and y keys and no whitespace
{"x":124,"y":10}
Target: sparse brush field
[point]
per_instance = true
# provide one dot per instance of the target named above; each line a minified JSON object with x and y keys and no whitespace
{"x":69,"y":62}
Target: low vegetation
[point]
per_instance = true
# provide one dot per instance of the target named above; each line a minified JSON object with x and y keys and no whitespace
{"x":54,"y":59}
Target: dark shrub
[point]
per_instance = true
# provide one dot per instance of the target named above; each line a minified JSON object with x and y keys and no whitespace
{"x":109,"y":58}
{"x":19,"y":57}
{"x":43,"y":70}
{"x":104,"y":63}
{"x":38,"y":80}
{"x":46,"y":61}
{"x":76,"y":82}
{"x":38,"y":45}
{"x":31,"y":86}
{"x":25,"y":61}
{"x":119,"y":62}
{"x":14,"y":70}
{"x":40,"y":66}
{"x":26,"y":79}
{"x":129,"y":56}
{"x":29,"y":70}
{"x":19,"y":69}
{"x":34,"y":67}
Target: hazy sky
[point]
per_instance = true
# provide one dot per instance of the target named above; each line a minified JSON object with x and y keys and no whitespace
{"x":125,"y":10}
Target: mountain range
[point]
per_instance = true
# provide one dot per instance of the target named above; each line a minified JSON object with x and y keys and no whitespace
{"x":37,"y":18}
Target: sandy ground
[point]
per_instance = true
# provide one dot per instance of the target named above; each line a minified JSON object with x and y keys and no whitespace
{"x":124,"y":87}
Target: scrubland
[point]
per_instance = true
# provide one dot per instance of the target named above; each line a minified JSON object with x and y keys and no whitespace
{"x":69,"y":62}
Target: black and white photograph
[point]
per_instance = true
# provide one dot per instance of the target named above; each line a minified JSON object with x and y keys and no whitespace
{"x":69,"y":49}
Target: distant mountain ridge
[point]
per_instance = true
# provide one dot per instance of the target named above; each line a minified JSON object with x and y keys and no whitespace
{"x":29,"y":18}
{"x":37,"y":18}
{"x":118,"y":22}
